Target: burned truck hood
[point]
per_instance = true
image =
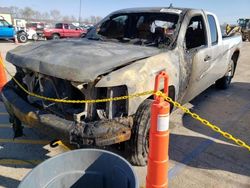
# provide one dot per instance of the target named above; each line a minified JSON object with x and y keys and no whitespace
{"x":77,"y":60}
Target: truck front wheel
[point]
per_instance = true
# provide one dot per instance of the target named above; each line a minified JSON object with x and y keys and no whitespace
{"x":139,"y":142}
{"x":224,"y":82}
{"x":22,"y":37}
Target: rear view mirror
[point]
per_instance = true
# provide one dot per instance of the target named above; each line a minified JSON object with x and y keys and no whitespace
{"x":10,"y":26}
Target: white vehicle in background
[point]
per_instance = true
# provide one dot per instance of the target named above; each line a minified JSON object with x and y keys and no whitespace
{"x":32,"y":35}
{"x":20,"y":25}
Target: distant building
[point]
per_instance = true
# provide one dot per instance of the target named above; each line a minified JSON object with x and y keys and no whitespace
{"x":19,"y":24}
{"x":5,"y":13}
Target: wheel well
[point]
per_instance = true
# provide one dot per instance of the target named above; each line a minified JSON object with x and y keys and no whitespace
{"x":56,"y":34}
{"x":171,"y":94}
{"x":20,"y":31}
{"x":235,"y":58}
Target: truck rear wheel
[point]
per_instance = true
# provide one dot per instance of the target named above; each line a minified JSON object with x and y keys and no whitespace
{"x":139,"y":142}
{"x":225,"y":81}
{"x":83,"y":35}
{"x":55,"y":36}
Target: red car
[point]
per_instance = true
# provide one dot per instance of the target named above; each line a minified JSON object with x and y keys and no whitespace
{"x":64,"y":30}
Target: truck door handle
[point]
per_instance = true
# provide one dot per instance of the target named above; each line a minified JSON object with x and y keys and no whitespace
{"x":207,"y":58}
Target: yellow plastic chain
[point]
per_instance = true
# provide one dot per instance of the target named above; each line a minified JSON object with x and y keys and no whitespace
{"x":158,"y":93}
{"x":205,"y":122}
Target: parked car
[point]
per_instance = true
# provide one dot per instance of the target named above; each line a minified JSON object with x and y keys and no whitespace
{"x":7,"y":31}
{"x":120,"y":56}
{"x":64,"y":30}
{"x":87,"y":27}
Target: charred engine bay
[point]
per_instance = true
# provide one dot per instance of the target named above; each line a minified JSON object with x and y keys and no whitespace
{"x":63,"y":89}
{"x":94,"y":123}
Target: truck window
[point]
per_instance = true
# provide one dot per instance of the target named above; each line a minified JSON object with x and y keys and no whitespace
{"x":147,"y":29}
{"x":115,"y":27}
{"x":59,"y":26}
{"x":196,"y":33}
{"x":213,"y":29}
{"x":71,"y":26}
{"x":3,"y":23}
{"x":66,"y":26}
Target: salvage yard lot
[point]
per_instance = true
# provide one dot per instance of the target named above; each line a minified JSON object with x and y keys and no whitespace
{"x":198,"y":156}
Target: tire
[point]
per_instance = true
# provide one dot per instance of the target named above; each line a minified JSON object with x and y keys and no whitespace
{"x":83,"y":35}
{"x":225,"y":81}
{"x":139,"y":141}
{"x":55,"y":36}
{"x":22,"y":37}
{"x":35,"y":37}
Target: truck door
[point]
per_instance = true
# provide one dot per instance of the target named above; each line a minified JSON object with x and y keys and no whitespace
{"x":219,"y":61}
{"x":66,"y":30}
{"x":74,"y":31}
{"x":6,"y":30}
{"x":197,"y":50}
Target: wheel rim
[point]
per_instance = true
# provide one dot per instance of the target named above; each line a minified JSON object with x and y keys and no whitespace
{"x":22,"y":38}
{"x":230,"y":73}
{"x":147,"y":142}
{"x":35,"y":37}
{"x":55,"y":37}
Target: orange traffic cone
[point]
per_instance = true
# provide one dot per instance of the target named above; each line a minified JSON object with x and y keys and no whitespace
{"x":3,"y":78}
{"x":157,"y":172}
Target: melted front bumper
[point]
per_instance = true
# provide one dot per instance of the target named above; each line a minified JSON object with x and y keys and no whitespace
{"x":98,"y":133}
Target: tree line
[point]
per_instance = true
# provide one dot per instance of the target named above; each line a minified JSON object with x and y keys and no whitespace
{"x":29,"y":14}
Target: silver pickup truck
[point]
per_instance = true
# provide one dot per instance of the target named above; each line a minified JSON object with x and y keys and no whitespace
{"x":120,"y":56}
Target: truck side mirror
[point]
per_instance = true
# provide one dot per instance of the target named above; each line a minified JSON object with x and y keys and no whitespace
{"x":10,"y":26}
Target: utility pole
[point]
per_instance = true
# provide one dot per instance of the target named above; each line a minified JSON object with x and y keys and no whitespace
{"x":80,"y":11}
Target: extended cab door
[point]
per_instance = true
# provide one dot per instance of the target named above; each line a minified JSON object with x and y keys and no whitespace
{"x":219,"y":61}
{"x":197,"y":49}
{"x":6,"y":30}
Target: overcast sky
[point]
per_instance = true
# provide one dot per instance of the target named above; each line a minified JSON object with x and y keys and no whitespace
{"x":227,"y":10}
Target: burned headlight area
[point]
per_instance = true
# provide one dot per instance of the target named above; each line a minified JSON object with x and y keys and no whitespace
{"x":57,"y":88}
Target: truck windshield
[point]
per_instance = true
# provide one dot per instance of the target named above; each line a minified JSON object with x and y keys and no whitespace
{"x":149,"y":29}
{"x":4,"y":23}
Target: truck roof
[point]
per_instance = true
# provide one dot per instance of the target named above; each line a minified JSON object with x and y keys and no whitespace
{"x":152,"y":9}
{"x":63,"y":23}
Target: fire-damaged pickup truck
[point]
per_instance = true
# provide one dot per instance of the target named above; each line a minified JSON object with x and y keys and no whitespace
{"x":120,"y":56}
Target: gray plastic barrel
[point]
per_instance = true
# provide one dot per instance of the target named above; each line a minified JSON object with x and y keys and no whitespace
{"x":85,"y":168}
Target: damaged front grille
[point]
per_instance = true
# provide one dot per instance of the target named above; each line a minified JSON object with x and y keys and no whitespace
{"x":53,"y":88}
{"x":110,"y":110}
{"x":62,"y":89}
